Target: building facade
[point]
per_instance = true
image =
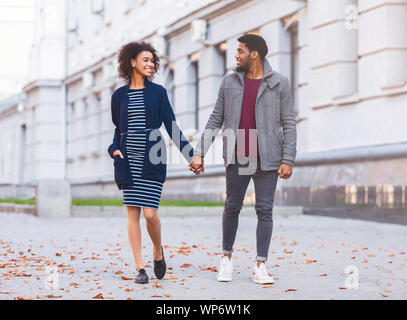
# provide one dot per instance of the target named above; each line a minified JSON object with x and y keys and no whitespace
{"x":346,"y":61}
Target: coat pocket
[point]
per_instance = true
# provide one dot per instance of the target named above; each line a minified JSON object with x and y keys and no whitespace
{"x":121,"y":175}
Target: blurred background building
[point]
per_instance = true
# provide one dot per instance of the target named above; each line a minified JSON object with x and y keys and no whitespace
{"x":346,"y":61}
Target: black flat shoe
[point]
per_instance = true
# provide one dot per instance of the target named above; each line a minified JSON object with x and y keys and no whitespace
{"x":142,"y":277}
{"x":160,"y":267}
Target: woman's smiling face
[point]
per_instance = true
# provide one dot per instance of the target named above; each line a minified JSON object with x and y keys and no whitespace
{"x":144,"y":64}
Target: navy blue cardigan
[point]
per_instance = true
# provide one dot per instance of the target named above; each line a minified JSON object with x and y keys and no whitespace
{"x":158,"y":110}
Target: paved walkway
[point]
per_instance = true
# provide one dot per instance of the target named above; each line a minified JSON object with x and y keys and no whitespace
{"x":91,"y":257}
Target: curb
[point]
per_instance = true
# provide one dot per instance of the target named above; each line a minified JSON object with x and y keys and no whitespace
{"x":163,"y":211}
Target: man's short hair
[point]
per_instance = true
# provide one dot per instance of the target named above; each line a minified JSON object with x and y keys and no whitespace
{"x":255,"y":43}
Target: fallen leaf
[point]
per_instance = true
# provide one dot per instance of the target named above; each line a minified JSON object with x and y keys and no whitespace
{"x":125,"y":278}
{"x":287,"y":290}
{"x":98,"y":296}
{"x":52,"y":296}
{"x":309,"y":260}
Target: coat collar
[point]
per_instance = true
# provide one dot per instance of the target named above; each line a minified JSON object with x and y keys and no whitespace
{"x":270,"y":78}
{"x":146,"y":83}
{"x":269,"y":75}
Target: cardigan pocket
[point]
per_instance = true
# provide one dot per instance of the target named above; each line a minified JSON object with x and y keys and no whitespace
{"x":121,"y":172}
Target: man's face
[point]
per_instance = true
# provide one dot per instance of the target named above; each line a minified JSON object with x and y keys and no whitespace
{"x":242,"y":57}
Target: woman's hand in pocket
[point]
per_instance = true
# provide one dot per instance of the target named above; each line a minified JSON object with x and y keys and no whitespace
{"x":118,"y":152}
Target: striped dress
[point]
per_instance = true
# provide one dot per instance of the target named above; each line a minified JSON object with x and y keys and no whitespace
{"x":143,"y":193}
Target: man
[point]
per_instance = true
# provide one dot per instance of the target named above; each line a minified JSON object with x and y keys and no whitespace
{"x":254,"y":98}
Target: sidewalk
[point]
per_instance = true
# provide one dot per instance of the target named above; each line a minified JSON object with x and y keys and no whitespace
{"x":91,"y":257}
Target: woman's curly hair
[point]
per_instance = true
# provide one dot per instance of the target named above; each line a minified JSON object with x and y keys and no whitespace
{"x":131,"y":51}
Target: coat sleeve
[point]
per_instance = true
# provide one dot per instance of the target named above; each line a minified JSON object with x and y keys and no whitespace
{"x":116,"y":137}
{"x":173,"y":129}
{"x":287,"y":115}
{"x":213,"y":125}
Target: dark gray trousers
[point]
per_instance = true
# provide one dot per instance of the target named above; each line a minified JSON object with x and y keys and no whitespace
{"x":237,"y":179}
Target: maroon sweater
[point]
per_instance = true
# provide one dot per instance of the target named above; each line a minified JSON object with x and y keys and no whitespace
{"x":248,"y":118}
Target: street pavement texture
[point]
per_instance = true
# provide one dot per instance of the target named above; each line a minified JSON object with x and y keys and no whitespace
{"x":310,"y":257}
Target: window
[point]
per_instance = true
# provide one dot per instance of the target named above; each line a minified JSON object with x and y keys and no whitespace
{"x":292,"y":26}
{"x":169,"y":82}
{"x":221,"y":48}
{"x":98,"y":125}
{"x":195,"y":78}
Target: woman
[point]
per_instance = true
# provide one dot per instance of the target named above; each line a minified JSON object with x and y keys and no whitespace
{"x":138,"y":110}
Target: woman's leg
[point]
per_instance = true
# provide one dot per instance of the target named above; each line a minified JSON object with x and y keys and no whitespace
{"x":154,"y":230}
{"x":134,"y":234}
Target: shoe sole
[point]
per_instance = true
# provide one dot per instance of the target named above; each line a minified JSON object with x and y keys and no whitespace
{"x":263,"y":282}
{"x":224,"y":280}
{"x":141,"y":282}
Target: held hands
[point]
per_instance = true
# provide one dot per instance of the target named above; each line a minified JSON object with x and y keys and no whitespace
{"x":197,"y":164}
{"x":118,"y":152}
{"x":285,"y":171}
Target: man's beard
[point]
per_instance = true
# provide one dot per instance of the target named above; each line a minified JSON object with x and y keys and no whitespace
{"x":244,"y":67}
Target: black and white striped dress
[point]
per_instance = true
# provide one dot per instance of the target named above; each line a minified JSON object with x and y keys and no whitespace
{"x":143,"y":193}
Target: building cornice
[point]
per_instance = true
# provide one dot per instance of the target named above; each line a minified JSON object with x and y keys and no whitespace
{"x":42,"y":83}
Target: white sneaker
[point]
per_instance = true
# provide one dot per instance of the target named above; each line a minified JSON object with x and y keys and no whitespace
{"x":225,"y":269}
{"x":261,"y":275}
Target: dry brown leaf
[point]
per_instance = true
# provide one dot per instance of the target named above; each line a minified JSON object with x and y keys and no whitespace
{"x":287,"y":290}
{"x":98,"y":296}
{"x":309,"y":260}
{"x":125,"y":278}
{"x":51,"y":296}
{"x":186,"y":265}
